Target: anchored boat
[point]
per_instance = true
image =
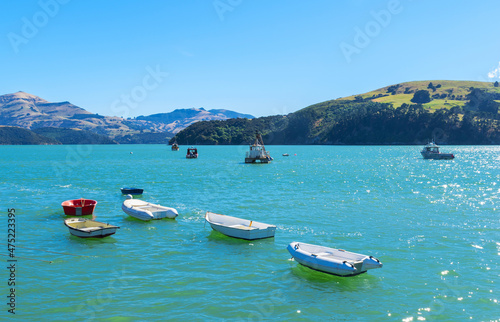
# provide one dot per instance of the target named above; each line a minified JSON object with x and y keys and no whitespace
{"x":332,"y":261}
{"x":86,"y":228}
{"x":79,"y":207}
{"x":147,"y":211}
{"x":192,"y":153}
{"x":175,"y":146}
{"x":131,"y":191}
{"x":239,"y":228}
{"x":258,"y":151}
{"x":431,"y":151}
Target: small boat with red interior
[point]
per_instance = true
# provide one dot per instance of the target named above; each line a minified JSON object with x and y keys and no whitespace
{"x":192,"y":153}
{"x":79,"y":207}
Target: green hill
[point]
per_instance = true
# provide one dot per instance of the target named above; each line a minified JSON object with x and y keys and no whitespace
{"x":73,"y":136}
{"x":11,"y":135}
{"x":459,"y":112}
{"x":445,"y":93}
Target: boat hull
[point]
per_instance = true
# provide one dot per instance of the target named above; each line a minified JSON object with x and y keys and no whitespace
{"x":88,"y":228}
{"x":437,"y":156}
{"x":332,"y":261}
{"x":239,"y":228}
{"x":132,"y":191}
{"x":257,"y":160}
{"x":77,"y":208}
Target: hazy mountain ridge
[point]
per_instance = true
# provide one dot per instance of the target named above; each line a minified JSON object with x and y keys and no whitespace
{"x":179,"y":119}
{"x":32,"y":112}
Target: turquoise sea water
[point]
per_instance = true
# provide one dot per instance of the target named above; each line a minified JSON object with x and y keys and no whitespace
{"x":434,"y":224}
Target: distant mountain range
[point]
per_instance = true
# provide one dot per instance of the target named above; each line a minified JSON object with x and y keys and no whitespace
{"x":181,"y":118}
{"x":32,"y":112}
{"x":450,"y":112}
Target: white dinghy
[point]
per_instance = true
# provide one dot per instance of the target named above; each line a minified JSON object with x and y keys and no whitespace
{"x":86,"y":228}
{"x":147,"y":211}
{"x":239,"y":228}
{"x":331,"y":260}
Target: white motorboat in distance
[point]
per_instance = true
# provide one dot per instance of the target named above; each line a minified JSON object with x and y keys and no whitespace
{"x":330,"y":260}
{"x":431,"y":151}
{"x":239,"y":228}
{"x":86,"y":228}
{"x":147,"y":211}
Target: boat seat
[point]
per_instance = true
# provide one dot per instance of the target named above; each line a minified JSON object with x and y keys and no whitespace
{"x":243,"y":227}
{"x":90,"y":228}
{"x":321,"y":254}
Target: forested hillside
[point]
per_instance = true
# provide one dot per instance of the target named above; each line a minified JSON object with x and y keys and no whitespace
{"x":362,"y":119}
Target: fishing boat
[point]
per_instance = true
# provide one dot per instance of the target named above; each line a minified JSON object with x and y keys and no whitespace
{"x":258,"y":151}
{"x":79,"y":207}
{"x":332,"y":261}
{"x":131,"y":191}
{"x":192,"y":153}
{"x":86,"y":228}
{"x":286,"y":154}
{"x":175,"y":146}
{"x":239,"y":228}
{"x":147,"y":211}
{"x":431,"y":151}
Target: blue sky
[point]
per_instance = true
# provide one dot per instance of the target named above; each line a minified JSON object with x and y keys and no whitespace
{"x":261,"y":57}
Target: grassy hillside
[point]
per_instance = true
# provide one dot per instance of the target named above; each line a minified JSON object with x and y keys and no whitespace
{"x":455,"y":93}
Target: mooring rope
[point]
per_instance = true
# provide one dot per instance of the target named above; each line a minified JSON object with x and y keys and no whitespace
{"x":31,"y":259}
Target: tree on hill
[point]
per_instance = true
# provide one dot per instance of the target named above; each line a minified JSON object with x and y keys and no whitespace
{"x":482,"y":101}
{"x":393,"y":89}
{"x":421,"y":96}
{"x":495,"y":84}
{"x":431,"y":86}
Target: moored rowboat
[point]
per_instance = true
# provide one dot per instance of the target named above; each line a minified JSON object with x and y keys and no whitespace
{"x":79,"y":207}
{"x":331,"y":260}
{"x":131,"y":191}
{"x":86,"y":228}
{"x":239,"y":228}
{"x":147,"y":211}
